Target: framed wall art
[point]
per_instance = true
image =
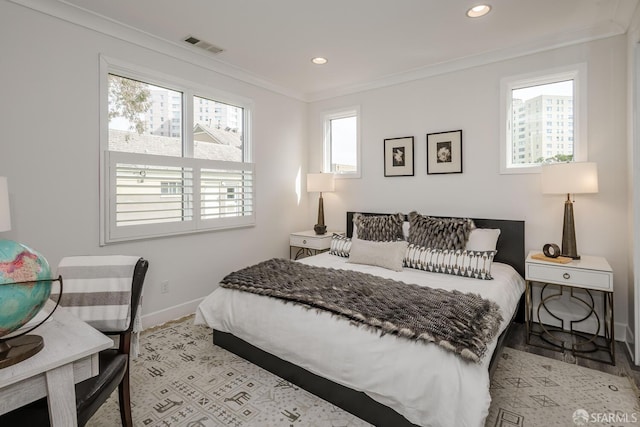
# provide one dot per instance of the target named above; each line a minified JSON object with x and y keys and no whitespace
{"x":398,"y":156}
{"x":444,"y":152}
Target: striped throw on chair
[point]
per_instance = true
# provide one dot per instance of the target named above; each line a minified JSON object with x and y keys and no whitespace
{"x":97,"y":289}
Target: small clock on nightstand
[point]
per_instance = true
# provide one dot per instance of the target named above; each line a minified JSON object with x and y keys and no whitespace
{"x":309,"y":243}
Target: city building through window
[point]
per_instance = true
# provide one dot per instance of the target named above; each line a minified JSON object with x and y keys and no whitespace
{"x":542,"y":120}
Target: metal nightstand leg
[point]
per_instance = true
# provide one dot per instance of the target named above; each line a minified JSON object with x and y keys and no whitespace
{"x":582,"y":343}
{"x":302,"y":252}
{"x":305,"y":252}
{"x":528,"y":312}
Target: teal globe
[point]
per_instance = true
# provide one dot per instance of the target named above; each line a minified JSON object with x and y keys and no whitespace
{"x":19,"y":303}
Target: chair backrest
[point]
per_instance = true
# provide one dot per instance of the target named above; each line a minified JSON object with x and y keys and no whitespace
{"x":139,"y":274}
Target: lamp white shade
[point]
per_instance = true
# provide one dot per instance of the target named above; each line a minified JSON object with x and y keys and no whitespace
{"x":5,"y":212}
{"x":320,"y":182}
{"x":570,"y":178}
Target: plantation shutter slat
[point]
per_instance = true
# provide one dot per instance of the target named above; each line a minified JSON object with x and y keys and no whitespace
{"x":161,"y":194}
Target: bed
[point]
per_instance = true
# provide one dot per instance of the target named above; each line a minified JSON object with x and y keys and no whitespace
{"x":383,"y":379}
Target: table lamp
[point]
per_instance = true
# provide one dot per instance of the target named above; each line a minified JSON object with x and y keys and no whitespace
{"x":320,"y":182}
{"x":569,"y":178}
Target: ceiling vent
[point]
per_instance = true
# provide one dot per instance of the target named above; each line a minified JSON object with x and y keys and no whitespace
{"x":203,"y":45}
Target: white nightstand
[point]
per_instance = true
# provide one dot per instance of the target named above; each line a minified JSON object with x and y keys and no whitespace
{"x":590,"y":273}
{"x":309,"y":243}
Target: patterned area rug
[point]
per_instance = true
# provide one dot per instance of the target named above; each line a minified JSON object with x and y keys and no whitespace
{"x":181,"y":379}
{"x":531,"y":390}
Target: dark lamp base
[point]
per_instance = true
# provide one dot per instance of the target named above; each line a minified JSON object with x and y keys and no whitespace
{"x":320,"y":229}
{"x":569,"y":245}
{"x":17,"y":349}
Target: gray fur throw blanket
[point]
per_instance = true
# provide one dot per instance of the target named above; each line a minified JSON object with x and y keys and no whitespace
{"x":458,"y":322}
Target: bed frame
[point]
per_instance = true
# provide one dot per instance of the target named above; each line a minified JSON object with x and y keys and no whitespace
{"x":510,"y":251}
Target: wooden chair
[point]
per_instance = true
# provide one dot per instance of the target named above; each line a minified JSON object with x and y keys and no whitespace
{"x":92,"y":393}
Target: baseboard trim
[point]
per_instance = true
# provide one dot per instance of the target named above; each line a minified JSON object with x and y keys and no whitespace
{"x":629,"y":344}
{"x":621,"y":331}
{"x":163,"y":316}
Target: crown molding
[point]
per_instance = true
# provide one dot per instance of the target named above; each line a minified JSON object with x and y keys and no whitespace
{"x":617,"y":24}
{"x":605,"y":30}
{"x":73,"y":14}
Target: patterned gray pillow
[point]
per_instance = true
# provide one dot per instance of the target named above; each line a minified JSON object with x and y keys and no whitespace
{"x":340,"y":245}
{"x":474,"y":264}
{"x":439,"y":233}
{"x":379,"y":228}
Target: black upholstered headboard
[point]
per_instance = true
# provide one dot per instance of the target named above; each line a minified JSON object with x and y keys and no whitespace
{"x":510,"y":243}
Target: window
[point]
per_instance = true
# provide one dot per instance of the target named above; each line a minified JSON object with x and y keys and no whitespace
{"x":170,"y":188}
{"x":564,"y":87}
{"x":342,"y":143}
{"x":157,"y":183}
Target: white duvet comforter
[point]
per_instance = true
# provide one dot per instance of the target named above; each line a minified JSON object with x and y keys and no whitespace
{"x":425,"y":383}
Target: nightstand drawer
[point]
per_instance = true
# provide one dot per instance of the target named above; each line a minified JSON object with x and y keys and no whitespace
{"x":590,"y":279}
{"x":311,"y":242}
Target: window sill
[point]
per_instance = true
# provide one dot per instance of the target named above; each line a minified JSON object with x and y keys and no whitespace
{"x":520,"y":170}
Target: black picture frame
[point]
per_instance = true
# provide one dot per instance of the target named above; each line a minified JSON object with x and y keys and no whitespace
{"x":398,"y":156}
{"x":444,"y":152}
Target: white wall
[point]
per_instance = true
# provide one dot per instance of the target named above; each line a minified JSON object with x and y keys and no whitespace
{"x":49,"y":150}
{"x":633,"y":144}
{"x":469,"y":100}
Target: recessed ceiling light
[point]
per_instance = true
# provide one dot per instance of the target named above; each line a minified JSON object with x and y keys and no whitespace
{"x":478,"y":11}
{"x":318,"y":60}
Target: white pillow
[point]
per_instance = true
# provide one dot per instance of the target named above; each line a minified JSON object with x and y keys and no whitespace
{"x":382,"y":254}
{"x":483,"y":239}
{"x":405,"y":229}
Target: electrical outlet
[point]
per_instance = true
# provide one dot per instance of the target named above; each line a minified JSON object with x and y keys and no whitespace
{"x":164,"y":287}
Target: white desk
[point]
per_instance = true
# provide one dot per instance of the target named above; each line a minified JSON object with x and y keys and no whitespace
{"x":69,"y":356}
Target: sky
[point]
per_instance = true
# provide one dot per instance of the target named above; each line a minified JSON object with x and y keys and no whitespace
{"x":560,"y":88}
